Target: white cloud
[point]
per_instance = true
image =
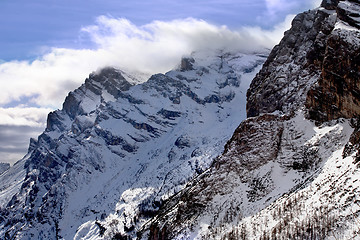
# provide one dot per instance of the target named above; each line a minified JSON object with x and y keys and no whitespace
{"x":11,"y":158}
{"x":152,"y":48}
{"x":17,"y":126}
{"x":14,"y":141}
{"x":22,"y":116}
{"x":268,"y":37}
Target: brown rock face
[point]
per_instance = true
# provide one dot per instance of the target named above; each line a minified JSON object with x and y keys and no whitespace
{"x":244,"y":145}
{"x":338,"y":91}
{"x":316,"y":64}
{"x":354,"y":142}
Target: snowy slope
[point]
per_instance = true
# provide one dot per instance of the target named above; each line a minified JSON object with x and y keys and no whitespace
{"x":325,"y":206}
{"x":269,"y":160}
{"x":116,"y":151}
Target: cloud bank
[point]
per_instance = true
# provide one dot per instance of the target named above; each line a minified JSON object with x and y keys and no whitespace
{"x":151,"y":48}
{"x":17,"y":126}
{"x":24,"y":116}
{"x":14,"y":141}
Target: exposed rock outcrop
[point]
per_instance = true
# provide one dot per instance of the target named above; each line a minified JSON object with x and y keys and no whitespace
{"x":329,"y":4}
{"x":319,"y":53}
{"x":187,"y":64}
{"x":337,"y":93}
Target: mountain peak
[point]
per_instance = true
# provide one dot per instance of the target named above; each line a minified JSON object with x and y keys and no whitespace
{"x":117,"y":151}
{"x":187,"y":64}
{"x":110,"y":76}
{"x":329,"y":4}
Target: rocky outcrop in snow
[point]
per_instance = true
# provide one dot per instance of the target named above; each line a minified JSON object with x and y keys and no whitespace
{"x":321,"y":47}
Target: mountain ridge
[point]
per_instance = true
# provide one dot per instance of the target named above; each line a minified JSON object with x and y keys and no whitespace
{"x":116,"y":150}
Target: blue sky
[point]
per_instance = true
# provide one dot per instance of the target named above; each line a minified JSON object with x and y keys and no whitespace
{"x":48,"y":47}
{"x":29,"y":26}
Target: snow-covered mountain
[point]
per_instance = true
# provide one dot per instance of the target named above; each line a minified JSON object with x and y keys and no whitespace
{"x":291,"y":170}
{"x":167,"y":158}
{"x":116,"y":151}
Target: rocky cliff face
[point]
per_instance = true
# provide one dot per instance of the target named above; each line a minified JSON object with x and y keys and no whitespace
{"x":337,"y":92}
{"x":319,"y":53}
{"x":293,"y":66}
{"x":116,"y":151}
{"x":268,"y":158}
{"x":291,"y":170}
